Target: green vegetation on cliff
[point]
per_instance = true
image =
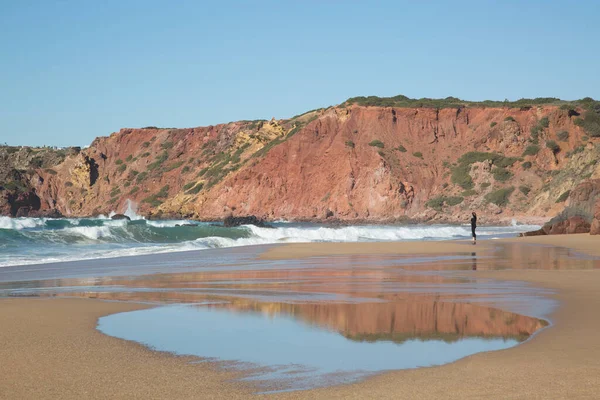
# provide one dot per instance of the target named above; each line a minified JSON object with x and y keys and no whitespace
{"x":437,"y":203}
{"x":500,"y":197}
{"x":461,"y":173}
{"x":401,"y":101}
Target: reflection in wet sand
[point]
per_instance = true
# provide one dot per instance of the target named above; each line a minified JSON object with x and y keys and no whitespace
{"x":298,"y":346}
{"x":363,"y":299}
{"x":415,"y":318}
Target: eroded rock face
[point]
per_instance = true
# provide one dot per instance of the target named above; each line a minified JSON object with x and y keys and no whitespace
{"x":348,"y":163}
{"x":571,"y":225}
{"x":22,"y":204}
{"x":595,"y":226}
{"x":582,"y":215}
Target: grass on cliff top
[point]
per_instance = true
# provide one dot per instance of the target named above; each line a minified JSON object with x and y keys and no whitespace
{"x":590,"y":122}
{"x":401,"y":101}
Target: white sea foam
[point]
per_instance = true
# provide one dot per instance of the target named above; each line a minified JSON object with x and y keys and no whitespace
{"x":168,"y":223}
{"x":358,"y":233}
{"x":118,"y":238}
{"x":91,"y":232}
{"x":20,"y":223}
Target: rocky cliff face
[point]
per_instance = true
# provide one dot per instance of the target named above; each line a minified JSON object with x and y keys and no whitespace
{"x":349,"y":162}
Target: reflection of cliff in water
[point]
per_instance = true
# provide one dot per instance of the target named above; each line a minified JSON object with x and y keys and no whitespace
{"x":419,"y":319}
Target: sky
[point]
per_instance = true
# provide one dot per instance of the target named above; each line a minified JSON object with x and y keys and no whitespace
{"x":74,"y":70}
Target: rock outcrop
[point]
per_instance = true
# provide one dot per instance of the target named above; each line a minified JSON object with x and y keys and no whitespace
{"x":595,"y":225}
{"x":232,"y":221}
{"x":581,"y":215}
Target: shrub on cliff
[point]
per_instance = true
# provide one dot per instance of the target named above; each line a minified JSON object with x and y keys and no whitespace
{"x":509,"y":119}
{"x":552,"y":145}
{"x":141,"y":177}
{"x":590,"y":123}
{"x":531,"y":150}
{"x":563,"y":136}
{"x":377,"y":143}
{"x":157,"y":199}
{"x":525,"y":190}
{"x":36,"y":162}
{"x":500,"y":197}
{"x":350,"y":143}
{"x":461,"y":177}
{"x":160,"y":159}
{"x":454,"y":200}
{"x":493,"y":124}
{"x":195,"y":189}
{"x":437,"y":203}
{"x":505,"y":162}
{"x":563,"y":197}
{"x":174,"y":166}
{"x":501,"y":174}
{"x":461,"y":173}
{"x":480,"y":156}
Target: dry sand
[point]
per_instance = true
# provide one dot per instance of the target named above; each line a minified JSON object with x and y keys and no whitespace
{"x":50,"y":348}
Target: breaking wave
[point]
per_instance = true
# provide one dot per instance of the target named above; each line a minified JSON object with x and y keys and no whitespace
{"x":41,"y":240}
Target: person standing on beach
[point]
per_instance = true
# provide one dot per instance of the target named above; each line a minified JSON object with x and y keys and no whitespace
{"x":473,"y":226}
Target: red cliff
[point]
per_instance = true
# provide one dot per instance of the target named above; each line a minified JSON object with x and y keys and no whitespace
{"x":348,"y":162}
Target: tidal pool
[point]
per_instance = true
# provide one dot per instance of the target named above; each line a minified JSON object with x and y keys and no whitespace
{"x":301,"y":346}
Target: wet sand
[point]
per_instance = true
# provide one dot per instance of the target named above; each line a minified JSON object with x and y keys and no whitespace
{"x":581,"y":242}
{"x":51,"y":348}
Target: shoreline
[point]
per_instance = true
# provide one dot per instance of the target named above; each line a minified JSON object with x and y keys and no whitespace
{"x":560,"y":361}
{"x":400,"y":221}
{"x":582,"y":242}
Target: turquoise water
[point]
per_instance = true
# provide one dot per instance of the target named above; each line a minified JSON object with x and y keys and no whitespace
{"x":42,"y":240}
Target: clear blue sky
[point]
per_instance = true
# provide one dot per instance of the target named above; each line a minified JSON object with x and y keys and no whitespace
{"x":74,"y":70}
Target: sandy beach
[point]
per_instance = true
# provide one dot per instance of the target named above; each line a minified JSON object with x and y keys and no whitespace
{"x":51,"y":348}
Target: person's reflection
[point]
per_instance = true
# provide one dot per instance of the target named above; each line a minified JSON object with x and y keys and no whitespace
{"x":474,"y":260}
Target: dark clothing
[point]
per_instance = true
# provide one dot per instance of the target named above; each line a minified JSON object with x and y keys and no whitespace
{"x":473,"y":226}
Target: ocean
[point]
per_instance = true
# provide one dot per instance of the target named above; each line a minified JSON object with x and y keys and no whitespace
{"x":43,"y":240}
